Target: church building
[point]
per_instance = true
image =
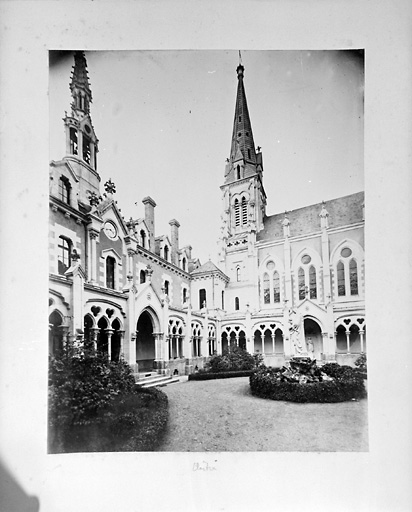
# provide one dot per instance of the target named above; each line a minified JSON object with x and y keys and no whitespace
{"x":133,"y":293}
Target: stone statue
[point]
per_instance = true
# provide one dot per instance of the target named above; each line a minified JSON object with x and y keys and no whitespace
{"x":311,"y":348}
{"x":296,"y":332}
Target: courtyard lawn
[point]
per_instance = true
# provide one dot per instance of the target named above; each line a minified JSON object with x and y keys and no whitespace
{"x":222,"y":415}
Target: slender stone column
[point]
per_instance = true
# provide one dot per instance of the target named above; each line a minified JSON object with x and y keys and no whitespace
{"x":121,"y":336}
{"x":347,"y":341}
{"x":273,"y":342}
{"x":262,"y":336}
{"x":109,"y":333}
{"x":361,"y":334}
{"x":95,"y":331}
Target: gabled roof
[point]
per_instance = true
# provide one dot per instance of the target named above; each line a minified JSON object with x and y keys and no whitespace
{"x":342,"y":211}
{"x":107,"y":204}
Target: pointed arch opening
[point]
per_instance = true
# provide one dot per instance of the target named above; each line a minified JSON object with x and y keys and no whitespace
{"x":313,"y":338}
{"x":145,"y":342}
{"x":55,"y":333}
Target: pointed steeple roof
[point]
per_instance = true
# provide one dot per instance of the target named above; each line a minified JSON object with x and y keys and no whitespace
{"x":80,"y":77}
{"x":242,"y":135}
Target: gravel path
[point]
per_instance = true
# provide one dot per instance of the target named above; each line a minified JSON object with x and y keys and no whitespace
{"x":222,"y":415}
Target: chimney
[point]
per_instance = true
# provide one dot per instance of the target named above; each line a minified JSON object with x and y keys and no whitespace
{"x":174,"y":239}
{"x":149,"y":206}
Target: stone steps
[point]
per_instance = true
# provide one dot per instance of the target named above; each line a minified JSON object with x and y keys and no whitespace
{"x":151,"y":379}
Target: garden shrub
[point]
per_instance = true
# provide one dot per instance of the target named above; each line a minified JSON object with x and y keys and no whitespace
{"x":329,"y":383}
{"x":221,"y":375}
{"x":95,"y":405}
{"x":234,"y":359}
{"x":361,"y":365}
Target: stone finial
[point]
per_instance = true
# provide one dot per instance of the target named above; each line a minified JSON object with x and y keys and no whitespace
{"x":94,"y":199}
{"x":324,"y":216}
{"x":110,"y":187}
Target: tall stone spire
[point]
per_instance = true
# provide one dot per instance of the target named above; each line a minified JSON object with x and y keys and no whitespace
{"x":81,"y":140}
{"x":79,"y":85}
{"x":242,"y":149}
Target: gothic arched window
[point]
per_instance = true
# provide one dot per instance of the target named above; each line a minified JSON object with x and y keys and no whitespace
{"x":276,"y":287}
{"x":341,"y":279}
{"x":312,"y":282}
{"x":73,"y":141}
{"x":167,"y":287}
{"x":238,"y":172}
{"x":237,"y":274}
{"x":86,"y":149}
{"x":184,"y":264}
{"x":143,"y":237}
{"x":166,"y":252}
{"x":202,"y":298}
{"x":266,"y":289}
{"x":301,"y":283}
{"x":110,"y":266}
{"x":236,"y":303}
{"x":237,"y":212}
{"x":244,"y":210}
{"x":353,"y":277}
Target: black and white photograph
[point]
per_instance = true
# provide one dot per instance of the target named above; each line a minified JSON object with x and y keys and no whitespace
{"x":233,"y":320}
{"x":205,"y":218}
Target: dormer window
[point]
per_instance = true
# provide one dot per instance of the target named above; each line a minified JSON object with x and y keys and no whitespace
{"x":64,"y":189}
{"x":142,"y":276}
{"x":184,"y":264}
{"x":238,"y":172}
{"x":166,"y":253}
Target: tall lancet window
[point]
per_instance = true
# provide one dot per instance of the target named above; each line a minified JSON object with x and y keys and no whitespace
{"x":86,"y":149}
{"x":301,"y":283}
{"x":341,"y":279}
{"x":237,"y":213}
{"x":312,"y":282}
{"x":73,"y":141}
{"x":353,"y":277}
{"x":244,"y":211}
{"x":276,"y":287}
{"x":266,"y":289}
{"x":238,"y":172}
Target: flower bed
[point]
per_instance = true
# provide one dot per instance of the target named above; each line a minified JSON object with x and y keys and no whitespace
{"x":303,"y":381}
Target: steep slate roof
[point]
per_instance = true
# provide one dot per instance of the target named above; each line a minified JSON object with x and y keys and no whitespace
{"x":80,"y":77}
{"x":207,"y":268}
{"x":242,"y":136}
{"x":342,"y":211}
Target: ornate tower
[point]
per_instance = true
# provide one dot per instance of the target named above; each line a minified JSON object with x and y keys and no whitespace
{"x":81,"y":140}
{"x":244,"y":202}
{"x":244,"y":198}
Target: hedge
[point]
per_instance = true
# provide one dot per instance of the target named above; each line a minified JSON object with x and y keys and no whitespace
{"x":220,"y":375}
{"x":347,"y":385}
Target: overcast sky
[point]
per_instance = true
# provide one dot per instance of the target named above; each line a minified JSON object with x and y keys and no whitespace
{"x":164,"y":122}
